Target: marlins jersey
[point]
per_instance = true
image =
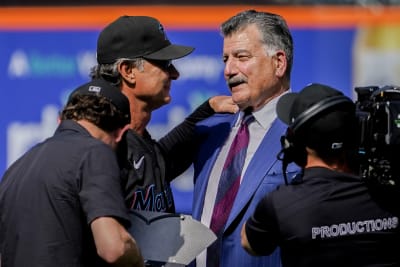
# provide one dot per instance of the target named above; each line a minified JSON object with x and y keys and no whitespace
{"x":148,"y":166}
{"x":146,"y":187}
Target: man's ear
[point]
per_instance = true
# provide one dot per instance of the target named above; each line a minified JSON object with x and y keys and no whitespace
{"x":127,"y":72}
{"x":119,"y":133}
{"x":280,"y":63}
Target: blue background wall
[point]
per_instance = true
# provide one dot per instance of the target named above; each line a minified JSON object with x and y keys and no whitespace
{"x":38,"y":69}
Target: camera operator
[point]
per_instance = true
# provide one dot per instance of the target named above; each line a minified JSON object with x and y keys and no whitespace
{"x":328,"y":216}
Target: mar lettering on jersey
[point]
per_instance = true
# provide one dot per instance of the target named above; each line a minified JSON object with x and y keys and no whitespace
{"x":150,"y":200}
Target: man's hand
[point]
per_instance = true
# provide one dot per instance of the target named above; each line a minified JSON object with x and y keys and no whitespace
{"x":223,"y":104}
{"x":245,"y":243}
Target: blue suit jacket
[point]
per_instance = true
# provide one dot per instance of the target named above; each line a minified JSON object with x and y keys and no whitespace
{"x":263,"y":174}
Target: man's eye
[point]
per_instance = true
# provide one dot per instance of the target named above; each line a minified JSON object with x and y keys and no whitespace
{"x":243,"y":57}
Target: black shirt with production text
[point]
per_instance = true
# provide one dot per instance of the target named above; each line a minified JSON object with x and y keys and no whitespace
{"x":327,"y":219}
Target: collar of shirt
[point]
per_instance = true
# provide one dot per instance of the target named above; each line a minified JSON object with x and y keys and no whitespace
{"x":266,"y":115}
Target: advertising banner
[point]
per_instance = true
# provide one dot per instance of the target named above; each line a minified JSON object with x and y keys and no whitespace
{"x":39,"y":67}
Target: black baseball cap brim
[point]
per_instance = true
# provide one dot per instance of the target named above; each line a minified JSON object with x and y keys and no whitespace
{"x":170,"y":52}
{"x":284,"y":106}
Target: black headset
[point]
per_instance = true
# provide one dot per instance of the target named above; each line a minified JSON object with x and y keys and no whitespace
{"x":293,"y":149}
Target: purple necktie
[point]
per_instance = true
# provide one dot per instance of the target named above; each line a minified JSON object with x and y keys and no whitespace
{"x":228,"y":187}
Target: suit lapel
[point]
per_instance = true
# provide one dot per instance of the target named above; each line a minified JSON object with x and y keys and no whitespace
{"x":262,"y":161}
{"x":217,"y":137}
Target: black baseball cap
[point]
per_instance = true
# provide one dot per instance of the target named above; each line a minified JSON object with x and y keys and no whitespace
{"x":134,"y":37}
{"x":331,"y":127}
{"x":103,"y":88}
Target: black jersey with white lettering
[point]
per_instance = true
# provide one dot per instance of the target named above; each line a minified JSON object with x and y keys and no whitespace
{"x":146,"y":187}
{"x":327,"y":219}
{"x":149,"y":166}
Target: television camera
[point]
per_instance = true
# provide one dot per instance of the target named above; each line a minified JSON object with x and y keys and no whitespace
{"x":378,"y":111}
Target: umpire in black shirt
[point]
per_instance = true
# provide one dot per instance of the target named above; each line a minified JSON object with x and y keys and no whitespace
{"x":328,"y":216}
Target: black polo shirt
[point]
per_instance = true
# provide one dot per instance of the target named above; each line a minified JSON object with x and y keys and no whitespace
{"x":327,"y":219}
{"x":49,"y":197}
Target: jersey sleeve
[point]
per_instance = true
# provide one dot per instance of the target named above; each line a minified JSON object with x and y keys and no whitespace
{"x":101,"y":191}
{"x":179,"y":144}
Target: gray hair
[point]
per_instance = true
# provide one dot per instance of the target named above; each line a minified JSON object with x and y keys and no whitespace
{"x":273,"y":28}
{"x":110,"y":72}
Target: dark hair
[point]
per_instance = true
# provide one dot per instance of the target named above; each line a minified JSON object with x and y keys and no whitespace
{"x":273,"y":28}
{"x":95,"y":109}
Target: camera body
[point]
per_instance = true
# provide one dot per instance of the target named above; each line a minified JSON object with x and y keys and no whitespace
{"x":378,"y":112}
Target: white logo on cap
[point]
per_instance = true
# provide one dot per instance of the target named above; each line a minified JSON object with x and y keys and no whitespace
{"x":161,"y":29}
{"x":95,"y":89}
{"x":337,"y":145}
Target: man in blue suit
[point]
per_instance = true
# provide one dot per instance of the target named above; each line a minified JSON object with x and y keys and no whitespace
{"x":258,"y":56}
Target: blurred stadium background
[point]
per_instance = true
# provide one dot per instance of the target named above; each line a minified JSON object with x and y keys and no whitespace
{"x":48,"y":48}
